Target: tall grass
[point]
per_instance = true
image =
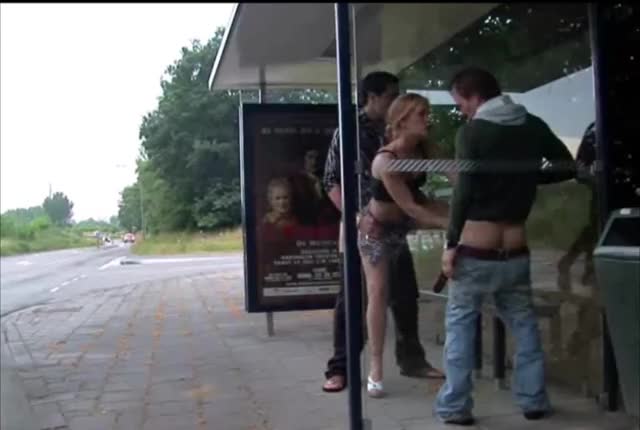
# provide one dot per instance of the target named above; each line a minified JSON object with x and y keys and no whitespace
{"x":44,"y":240}
{"x":189,"y":243}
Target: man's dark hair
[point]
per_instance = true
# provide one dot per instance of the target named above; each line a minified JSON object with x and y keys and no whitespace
{"x":474,"y":81}
{"x":376,"y":83}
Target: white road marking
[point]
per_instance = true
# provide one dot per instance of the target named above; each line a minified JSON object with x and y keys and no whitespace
{"x":112,"y":263}
{"x":70,"y":281}
{"x":24,"y":263}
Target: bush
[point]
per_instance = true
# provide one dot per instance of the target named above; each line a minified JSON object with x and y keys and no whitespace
{"x":24,"y":232}
{"x":7,"y":226}
{"x":40,"y":224}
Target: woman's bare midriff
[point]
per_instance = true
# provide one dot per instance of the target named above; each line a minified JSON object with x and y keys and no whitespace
{"x":493,"y":235}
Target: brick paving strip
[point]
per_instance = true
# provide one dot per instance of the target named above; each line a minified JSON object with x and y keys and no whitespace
{"x":177,"y":354}
{"x":182,"y":354}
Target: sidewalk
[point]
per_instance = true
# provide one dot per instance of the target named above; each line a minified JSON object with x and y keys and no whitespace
{"x":13,"y":396}
{"x":183,"y":354}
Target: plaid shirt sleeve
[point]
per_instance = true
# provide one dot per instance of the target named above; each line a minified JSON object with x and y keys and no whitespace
{"x":332,"y":163}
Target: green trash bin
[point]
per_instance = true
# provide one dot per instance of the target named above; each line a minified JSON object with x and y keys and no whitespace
{"x":617,"y":265}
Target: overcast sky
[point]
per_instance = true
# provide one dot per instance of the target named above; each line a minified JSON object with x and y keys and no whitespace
{"x":76,"y":81}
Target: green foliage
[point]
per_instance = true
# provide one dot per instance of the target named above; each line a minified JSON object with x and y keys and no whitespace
{"x":558,"y":215}
{"x":129,"y":208}
{"x":220,"y":207}
{"x":7,"y":226}
{"x":23,"y":223}
{"x":31,"y":230}
{"x":188,"y":168}
{"x":91,"y":225}
{"x":189,"y":144}
{"x":40,"y":223}
{"x":307,"y":95}
{"x":445,"y":122}
{"x":59,"y":208}
{"x":501,"y":41}
{"x":24,"y":232}
{"x":190,"y":243}
{"x":44,"y":240}
{"x":24,"y":215}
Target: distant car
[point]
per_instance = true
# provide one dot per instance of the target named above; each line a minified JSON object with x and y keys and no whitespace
{"x":129,"y":238}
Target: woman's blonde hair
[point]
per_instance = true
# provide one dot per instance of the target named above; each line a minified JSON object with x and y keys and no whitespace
{"x":400,"y":109}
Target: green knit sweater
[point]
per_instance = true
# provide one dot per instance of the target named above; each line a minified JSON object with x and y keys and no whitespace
{"x":497,"y":195}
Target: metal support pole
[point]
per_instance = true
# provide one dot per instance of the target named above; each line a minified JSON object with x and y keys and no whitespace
{"x":270,"y":327}
{"x":597,"y":33}
{"x":262,"y":91}
{"x":357,"y":69}
{"x":262,"y":98}
{"x":348,"y":157}
{"x":499,"y":352}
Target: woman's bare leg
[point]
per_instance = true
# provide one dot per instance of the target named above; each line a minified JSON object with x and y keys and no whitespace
{"x":376,"y":278}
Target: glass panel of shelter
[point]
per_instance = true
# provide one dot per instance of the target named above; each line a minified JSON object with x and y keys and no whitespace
{"x":541,"y":55}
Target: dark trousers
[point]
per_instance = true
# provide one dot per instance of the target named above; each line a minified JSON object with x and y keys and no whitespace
{"x":403,"y":300}
{"x":585,"y":242}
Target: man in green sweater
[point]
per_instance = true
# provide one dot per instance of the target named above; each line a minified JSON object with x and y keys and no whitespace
{"x":503,"y":148}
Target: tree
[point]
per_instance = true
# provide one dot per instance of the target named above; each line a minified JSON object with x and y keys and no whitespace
{"x":501,"y":41}
{"x":129,"y":214}
{"x":25,"y":215}
{"x":59,"y":208}
{"x":189,"y":142}
{"x":89,"y":225}
{"x":188,"y":167}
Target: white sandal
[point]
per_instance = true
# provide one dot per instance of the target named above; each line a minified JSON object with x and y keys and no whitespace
{"x":375,"y":388}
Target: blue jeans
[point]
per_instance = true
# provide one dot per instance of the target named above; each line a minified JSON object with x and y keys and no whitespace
{"x":509,"y":282}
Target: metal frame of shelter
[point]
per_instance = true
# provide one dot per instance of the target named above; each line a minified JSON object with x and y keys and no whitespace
{"x":349,"y":157}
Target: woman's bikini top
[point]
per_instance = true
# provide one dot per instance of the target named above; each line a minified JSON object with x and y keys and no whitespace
{"x":380,"y":193}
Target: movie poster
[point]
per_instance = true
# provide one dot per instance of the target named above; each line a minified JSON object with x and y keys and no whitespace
{"x":291,"y":226}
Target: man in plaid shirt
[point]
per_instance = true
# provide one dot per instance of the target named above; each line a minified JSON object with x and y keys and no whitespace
{"x":378,"y":90}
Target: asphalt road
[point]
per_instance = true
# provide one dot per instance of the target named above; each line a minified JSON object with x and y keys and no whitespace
{"x":34,"y":279}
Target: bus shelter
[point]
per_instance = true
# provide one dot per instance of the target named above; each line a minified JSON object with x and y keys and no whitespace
{"x":557,"y":59}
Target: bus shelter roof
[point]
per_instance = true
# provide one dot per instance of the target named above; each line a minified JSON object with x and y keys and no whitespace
{"x":292,"y":45}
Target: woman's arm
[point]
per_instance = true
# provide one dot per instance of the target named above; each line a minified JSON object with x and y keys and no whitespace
{"x":426,"y":215}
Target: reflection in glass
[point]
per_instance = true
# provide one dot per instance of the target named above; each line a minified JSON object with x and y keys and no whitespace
{"x":541,"y":56}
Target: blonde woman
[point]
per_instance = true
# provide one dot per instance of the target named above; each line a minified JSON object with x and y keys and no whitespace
{"x":280,"y":198}
{"x":398,"y":206}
